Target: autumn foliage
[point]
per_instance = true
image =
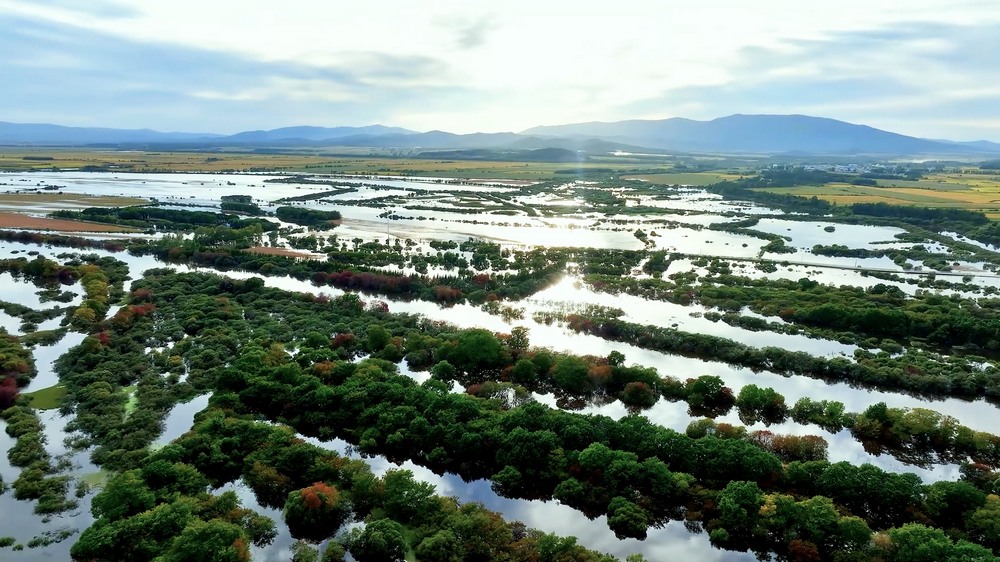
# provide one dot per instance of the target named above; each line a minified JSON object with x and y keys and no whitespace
{"x":316,"y":512}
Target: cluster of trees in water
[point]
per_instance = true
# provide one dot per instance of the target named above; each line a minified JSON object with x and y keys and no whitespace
{"x":306,"y":217}
{"x":95,"y":377}
{"x":162,"y":218}
{"x":750,"y":490}
{"x":911,"y":372}
{"x":636,"y":473}
{"x":242,"y":204}
{"x":865,"y":316}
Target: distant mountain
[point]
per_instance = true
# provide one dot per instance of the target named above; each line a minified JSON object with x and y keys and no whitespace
{"x":312,"y":133}
{"x":765,"y":134}
{"x":735,"y":134}
{"x":45,"y":134}
{"x":984,"y":145}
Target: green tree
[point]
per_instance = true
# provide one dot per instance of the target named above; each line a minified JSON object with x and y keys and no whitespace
{"x":571,"y":374}
{"x":378,"y":338}
{"x":739,"y":505}
{"x":406,"y":498}
{"x":442,"y":546}
{"x":381,"y":540}
{"x":627,"y":519}
{"x":208,"y":541}
{"x":125,"y":494}
{"x":304,"y":552}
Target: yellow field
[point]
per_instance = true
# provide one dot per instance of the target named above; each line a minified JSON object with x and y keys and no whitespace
{"x":138,"y":161}
{"x":962,"y":191}
{"x":684,"y":178}
{"x":53,"y":201}
{"x":458,"y":168}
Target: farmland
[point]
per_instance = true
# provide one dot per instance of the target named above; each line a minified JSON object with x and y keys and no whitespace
{"x":952,"y":190}
{"x":332,"y":162}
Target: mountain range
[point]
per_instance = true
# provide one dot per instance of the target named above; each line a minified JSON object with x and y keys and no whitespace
{"x":735,"y":134}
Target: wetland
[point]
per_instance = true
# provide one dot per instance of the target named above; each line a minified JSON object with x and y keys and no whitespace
{"x":626,"y":367}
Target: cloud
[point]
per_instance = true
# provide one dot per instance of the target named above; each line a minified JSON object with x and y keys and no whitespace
{"x":473,"y":34}
{"x":494,"y":65}
{"x":909,"y":77}
{"x":65,"y":74}
{"x":113,"y":9}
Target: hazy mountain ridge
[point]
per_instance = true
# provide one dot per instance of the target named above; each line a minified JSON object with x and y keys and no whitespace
{"x":758,"y":134}
{"x":749,"y":134}
{"x":47,"y":134}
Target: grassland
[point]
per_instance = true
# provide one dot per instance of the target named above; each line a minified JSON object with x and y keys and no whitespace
{"x":47,"y":398}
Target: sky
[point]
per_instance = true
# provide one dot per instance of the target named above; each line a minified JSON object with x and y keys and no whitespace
{"x":926,"y":68}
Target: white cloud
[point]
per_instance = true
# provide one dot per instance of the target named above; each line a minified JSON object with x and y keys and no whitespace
{"x":492,"y":65}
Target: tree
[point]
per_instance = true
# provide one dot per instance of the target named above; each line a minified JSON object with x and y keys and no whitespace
{"x":948,"y":502}
{"x":334,"y":552}
{"x":407,"y":499}
{"x":638,"y":394}
{"x":124,"y":495}
{"x":381,"y":540}
{"x":518,"y":342}
{"x":442,"y":546}
{"x":917,"y":543}
{"x":443,"y":371}
{"x":616,"y":359}
{"x":8,"y":393}
{"x":571,"y":374}
{"x":627,"y":519}
{"x":739,"y":504}
{"x":524,"y":372}
{"x":211,"y":541}
{"x":475,"y":351}
{"x":378,"y":338}
{"x":984,"y":523}
{"x":315,"y":513}
{"x":304,"y":552}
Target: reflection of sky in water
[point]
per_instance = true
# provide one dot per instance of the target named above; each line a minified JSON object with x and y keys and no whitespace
{"x":181,"y":418}
{"x":673,"y":542}
{"x":659,"y":313}
{"x":806,"y":234}
{"x":45,"y":356}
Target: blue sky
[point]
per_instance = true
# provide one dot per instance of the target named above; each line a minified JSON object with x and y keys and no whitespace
{"x":924,"y":67}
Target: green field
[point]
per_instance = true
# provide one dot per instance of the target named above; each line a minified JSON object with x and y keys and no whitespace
{"x":47,"y":398}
